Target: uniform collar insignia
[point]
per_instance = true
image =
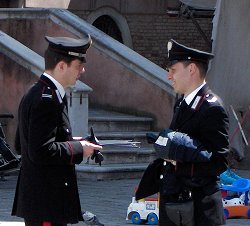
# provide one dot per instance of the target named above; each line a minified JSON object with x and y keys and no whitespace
{"x":196,"y":102}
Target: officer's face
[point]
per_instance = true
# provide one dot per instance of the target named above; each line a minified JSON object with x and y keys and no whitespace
{"x":179,"y":75}
{"x":73,"y":72}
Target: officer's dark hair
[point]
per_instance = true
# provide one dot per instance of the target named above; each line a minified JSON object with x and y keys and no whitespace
{"x":203,"y":67}
{"x":52,"y":58}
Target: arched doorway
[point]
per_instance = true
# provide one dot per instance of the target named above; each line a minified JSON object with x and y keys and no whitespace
{"x":106,"y":24}
{"x":112,"y":23}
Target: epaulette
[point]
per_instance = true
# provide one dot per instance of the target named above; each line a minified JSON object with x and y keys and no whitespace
{"x":210,"y":98}
{"x":49,"y":93}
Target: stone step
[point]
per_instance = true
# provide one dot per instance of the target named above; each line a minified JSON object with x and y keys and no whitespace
{"x":119,"y":162}
{"x":111,"y":171}
{"x":121,"y":155}
{"x":104,"y":121}
{"x":139,"y":136}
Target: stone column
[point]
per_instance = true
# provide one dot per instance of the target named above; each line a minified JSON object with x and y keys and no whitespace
{"x":77,"y":97}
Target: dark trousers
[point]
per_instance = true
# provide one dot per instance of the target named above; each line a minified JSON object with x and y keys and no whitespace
{"x":164,"y":220}
{"x":38,"y":223}
{"x":208,"y":210}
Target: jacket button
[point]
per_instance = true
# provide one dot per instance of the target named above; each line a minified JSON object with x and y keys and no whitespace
{"x":164,"y":163}
{"x":161,"y":176}
{"x":66,"y":184}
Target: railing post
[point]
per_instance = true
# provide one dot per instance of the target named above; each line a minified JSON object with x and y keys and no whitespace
{"x":77,"y":97}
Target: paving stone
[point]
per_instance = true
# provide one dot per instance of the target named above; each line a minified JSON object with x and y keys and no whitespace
{"x":108,"y":199}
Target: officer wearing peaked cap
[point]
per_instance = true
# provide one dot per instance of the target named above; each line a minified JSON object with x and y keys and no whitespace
{"x":192,"y":150}
{"x":47,"y":192}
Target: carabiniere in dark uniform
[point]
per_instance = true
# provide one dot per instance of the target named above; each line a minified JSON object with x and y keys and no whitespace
{"x":47,"y":185}
{"x":198,"y":158}
{"x":44,"y":100}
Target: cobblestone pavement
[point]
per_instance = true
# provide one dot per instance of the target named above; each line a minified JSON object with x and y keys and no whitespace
{"x":108,"y":199}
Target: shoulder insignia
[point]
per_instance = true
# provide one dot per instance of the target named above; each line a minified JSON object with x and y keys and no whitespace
{"x":47,"y":93}
{"x":211,"y":98}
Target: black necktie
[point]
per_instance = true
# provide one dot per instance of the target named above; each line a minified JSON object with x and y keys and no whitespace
{"x":182,"y":108}
{"x":65,"y":101}
{"x":179,"y":112}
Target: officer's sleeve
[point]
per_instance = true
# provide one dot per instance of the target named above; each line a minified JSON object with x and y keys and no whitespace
{"x":214,"y":130}
{"x":42,"y":146}
{"x":214,"y":134}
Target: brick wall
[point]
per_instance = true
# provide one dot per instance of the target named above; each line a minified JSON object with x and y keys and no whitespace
{"x":149,"y":24}
{"x":150,"y":33}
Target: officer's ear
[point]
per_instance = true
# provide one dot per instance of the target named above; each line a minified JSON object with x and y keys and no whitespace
{"x":61,"y":65}
{"x":192,"y":67}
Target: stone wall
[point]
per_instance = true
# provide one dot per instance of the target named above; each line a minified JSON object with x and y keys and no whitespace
{"x":14,"y":79}
{"x":150,"y":26}
{"x":230,"y":69}
{"x":118,"y":82}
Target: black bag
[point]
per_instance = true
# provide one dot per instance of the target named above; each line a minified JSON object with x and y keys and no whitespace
{"x":181,"y":213}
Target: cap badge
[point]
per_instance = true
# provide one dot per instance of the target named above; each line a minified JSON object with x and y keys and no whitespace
{"x":76,"y":54}
{"x":170,"y":44}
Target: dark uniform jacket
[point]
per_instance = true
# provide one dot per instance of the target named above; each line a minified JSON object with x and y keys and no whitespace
{"x":47,"y":186}
{"x":206,"y":121}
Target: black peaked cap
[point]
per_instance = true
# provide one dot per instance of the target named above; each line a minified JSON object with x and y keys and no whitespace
{"x":178,"y":52}
{"x":70,"y":46}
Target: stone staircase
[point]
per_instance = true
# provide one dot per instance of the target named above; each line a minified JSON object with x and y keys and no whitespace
{"x":119,"y":162}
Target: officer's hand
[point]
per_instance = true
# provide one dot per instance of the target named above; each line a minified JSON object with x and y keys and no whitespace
{"x":89,"y":148}
{"x":98,"y":157}
{"x":173,"y":162}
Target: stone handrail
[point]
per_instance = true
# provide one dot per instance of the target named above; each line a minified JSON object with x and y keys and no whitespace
{"x":102,"y":42}
{"x":21,"y":54}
